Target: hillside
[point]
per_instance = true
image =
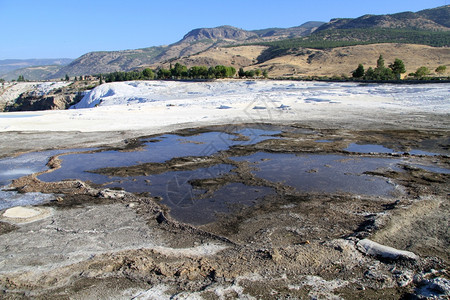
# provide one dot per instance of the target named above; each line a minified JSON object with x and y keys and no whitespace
{"x":33,"y":73}
{"x":195,"y":41}
{"x":10,"y":65}
{"x":344,"y":60}
{"x":436,"y":19}
{"x":321,"y":62}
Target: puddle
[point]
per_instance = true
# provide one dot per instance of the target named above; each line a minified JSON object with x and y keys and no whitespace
{"x":158,"y":150}
{"x":199,"y":211}
{"x":10,"y":199}
{"x":369,"y":148}
{"x":26,"y":164}
{"x":324,"y":173}
{"x":420,"y":152}
{"x":172,"y":186}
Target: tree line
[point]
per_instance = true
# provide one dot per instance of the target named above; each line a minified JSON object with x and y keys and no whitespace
{"x":178,"y":71}
{"x":392,"y":72}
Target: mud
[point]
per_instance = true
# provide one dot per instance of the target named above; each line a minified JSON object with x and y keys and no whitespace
{"x":289,"y":244}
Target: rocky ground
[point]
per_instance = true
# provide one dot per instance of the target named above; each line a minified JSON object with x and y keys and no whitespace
{"x":91,"y":242}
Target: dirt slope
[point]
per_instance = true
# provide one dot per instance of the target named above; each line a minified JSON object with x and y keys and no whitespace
{"x":344,"y":60}
{"x":313,"y":62}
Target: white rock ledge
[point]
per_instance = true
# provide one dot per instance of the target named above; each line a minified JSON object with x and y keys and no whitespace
{"x":21,"y":214}
{"x":369,"y":247}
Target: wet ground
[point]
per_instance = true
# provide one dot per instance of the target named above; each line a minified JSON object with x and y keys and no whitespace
{"x":288,"y":204}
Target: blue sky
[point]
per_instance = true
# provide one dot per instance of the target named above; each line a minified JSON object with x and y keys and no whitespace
{"x":60,"y":28}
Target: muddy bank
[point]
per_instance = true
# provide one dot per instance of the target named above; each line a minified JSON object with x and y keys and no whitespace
{"x":286,"y":243}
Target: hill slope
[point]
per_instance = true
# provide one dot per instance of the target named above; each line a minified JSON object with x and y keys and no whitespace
{"x":436,"y":19}
{"x":195,"y":41}
{"x":321,"y":62}
{"x":33,"y":73}
{"x":9,"y":65}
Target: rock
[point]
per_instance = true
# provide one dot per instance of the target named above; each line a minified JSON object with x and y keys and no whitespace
{"x":403,"y":278}
{"x":111,"y":194}
{"x":437,"y":288}
{"x":21,"y":214}
{"x":369,"y":247}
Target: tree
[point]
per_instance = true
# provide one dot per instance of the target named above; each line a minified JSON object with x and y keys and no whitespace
{"x":250,"y":73}
{"x":369,"y":74}
{"x":258,"y":72}
{"x":359,"y":72}
{"x":20,"y":78}
{"x":380,"y":62}
{"x":101,"y":79}
{"x":231,"y":71}
{"x":220,"y":71}
{"x":422,"y":72}
{"x":179,"y":71}
{"x":241,"y":72}
{"x":441,"y":69}
{"x":148,"y":74}
{"x":67,"y":77}
{"x":265,"y":74}
{"x":398,"y":68}
{"x":163,"y":73}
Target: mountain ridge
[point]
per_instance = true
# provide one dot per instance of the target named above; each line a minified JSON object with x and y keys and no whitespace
{"x":428,"y":19}
{"x":9,"y":65}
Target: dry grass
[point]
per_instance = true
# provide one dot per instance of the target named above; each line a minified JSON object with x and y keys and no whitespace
{"x":330,"y":62}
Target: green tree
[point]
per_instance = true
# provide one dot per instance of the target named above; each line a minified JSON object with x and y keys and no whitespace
{"x":20,"y":78}
{"x":67,"y":77}
{"x":241,"y":72}
{"x":380,"y":72}
{"x":220,"y":71}
{"x":250,"y":74}
{"x":398,"y":68}
{"x":211,"y":72}
{"x":441,"y":69}
{"x":179,"y":71}
{"x":101,"y":79}
{"x":380,"y":62}
{"x":258,"y":72}
{"x":265,"y":74}
{"x":422,"y":72}
{"x":359,"y":72}
{"x":369,"y":74}
{"x":148,"y":74}
{"x":163,"y":73}
{"x":231,"y":71}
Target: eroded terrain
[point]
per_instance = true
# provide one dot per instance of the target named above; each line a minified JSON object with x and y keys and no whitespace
{"x":242,"y":211}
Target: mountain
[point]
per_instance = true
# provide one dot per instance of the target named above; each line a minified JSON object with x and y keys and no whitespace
{"x":33,"y":73}
{"x":195,"y":41}
{"x":8,"y":65}
{"x":219,"y":33}
{"x":436,"y":19}
{"x":285,"y":33}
